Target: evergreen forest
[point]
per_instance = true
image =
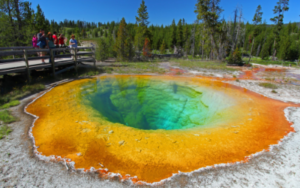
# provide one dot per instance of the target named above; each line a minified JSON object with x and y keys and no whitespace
{"x":209,"y":37}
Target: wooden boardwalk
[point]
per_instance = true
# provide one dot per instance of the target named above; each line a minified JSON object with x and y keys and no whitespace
{"x":25,"y":59}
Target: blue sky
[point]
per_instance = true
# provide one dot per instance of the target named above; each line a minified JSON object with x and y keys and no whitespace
{"x":160,"y":11}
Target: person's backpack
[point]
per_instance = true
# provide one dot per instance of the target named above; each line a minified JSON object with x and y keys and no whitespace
{"x":38,"y":37}
{"x":40,"y":43}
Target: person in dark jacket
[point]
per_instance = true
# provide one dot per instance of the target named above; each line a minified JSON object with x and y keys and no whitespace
{"x":42,"y":42}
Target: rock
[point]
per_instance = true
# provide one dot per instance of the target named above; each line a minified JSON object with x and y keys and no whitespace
{"x":121,"y":142}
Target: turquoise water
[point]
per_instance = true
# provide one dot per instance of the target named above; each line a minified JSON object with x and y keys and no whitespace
{"x":147,"y":104}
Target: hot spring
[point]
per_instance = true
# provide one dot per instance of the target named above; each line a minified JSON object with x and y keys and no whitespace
{"x":146,"y":128}
{"x":153,"y":104}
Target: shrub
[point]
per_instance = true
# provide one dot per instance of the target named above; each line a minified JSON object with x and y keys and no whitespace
{"x":10,"y":104}
{"x":102,"y":50}
{"x":235,"y":57}
{"x":268,"y":85}
{"x":6,"y":117}
{"x":4,"y":131}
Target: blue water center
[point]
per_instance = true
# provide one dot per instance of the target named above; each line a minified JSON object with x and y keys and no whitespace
{"x":146,"y":104}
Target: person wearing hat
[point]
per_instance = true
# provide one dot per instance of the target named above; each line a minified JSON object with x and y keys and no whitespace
{"x":73,"y":44}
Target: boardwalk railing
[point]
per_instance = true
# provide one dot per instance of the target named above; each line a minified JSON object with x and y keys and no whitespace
{"x":25,"y":59}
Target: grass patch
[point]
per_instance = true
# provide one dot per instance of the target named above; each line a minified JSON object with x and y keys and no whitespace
{"x":10,"y":104}
{"x":18,"y":93}
{"x":274,"y":91}
{"x":91,"y":73}
{"x":6,"y":117}
{"x":202,"y":64}
{"x":4,"y":131}
{"x":268,"y":85}
{"x":258,"y":60}
{"x":138,"y":68}
{"x":108,"y":70}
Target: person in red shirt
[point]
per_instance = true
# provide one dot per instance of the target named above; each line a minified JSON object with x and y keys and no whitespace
{"x":61,"y":40}
{"x":56,"y":42}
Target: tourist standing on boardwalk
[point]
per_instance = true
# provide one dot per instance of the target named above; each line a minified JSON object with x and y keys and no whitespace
{"x":55,"y":38}
{"x":34,"y":41}
{"x":50,"y":43}
{"x":61,"y":40}
{"x":73,"y":44}
{"x":41,"y":42}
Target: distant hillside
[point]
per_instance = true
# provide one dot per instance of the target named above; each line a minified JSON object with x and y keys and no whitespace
{"x":298,"y":23}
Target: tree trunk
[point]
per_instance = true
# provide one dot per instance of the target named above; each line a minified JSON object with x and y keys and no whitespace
{"x":234,"y":28}
{"x":212,"y":47}
{"x":11,"y":22}
{"x":274,"y":53}
{"x":18,"y":15}
{"x":193,"y":41}
{"x":251,"y":50}
{"x":202,"y":49}
{"x":258,"y":50}
{"x":214,"y":43}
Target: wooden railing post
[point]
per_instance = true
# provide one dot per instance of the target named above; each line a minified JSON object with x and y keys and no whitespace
{"x":94,"y":55}
{"x":52,"y":62}
{"x":27,"y":65}
{"x":13,"y":54}
{"x":75,"y":59}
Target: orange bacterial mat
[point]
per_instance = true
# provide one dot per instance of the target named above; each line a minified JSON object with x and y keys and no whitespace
{"x":220,"y":124}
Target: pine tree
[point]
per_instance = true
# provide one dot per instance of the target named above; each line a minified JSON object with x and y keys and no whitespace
{"x":173,"y":40}
{"x":103,"y":49}
{"x":139,"y":37}
{"x":209,"y":12}
{"x":185,"y":34}
{"x":283,"y":51}
{"x":147,"y":48}
{"x":142,"y":31}
{"x":83,"y":33}
{"x":256,"y":20}
{"x":40,"y":20}
{"x":95,"y":33}
{"x":179,"y":36}
{"x":143,"y":16}
{"x":123,"y":45}
{"x":162,"y":48}
{"x":279,"y":9}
